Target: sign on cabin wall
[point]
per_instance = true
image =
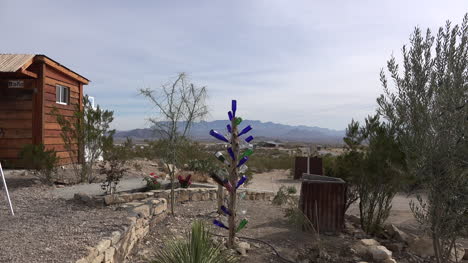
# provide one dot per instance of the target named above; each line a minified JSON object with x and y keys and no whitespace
{"x":16,"y":84}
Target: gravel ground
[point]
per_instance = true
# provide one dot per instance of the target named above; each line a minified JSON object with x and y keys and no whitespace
{"x":266,"y":222}
{"x":49,"y":229}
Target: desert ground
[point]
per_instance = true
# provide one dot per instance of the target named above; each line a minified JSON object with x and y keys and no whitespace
{"x":49,"y":226}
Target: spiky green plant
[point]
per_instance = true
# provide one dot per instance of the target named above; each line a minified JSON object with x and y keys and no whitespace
{"x":197,"y":248}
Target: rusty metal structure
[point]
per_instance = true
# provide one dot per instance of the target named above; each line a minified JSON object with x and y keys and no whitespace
{"x":309,"y":165}
{"x":323,"y":200}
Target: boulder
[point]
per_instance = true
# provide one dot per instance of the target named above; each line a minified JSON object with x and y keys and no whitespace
{"x":359,"y":249}
{"x":379,"y":253}
{"x":458,"y":253}
{"x":396,"y":233}
{"x":369,"y":242}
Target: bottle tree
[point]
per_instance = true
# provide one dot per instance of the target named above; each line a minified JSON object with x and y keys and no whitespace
{"x":233,"y":176}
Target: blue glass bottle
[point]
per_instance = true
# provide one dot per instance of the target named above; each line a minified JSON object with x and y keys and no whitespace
{"x":218,"y":136}
{"x":245,"y":130}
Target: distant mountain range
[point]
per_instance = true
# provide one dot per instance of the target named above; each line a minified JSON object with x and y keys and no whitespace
{"x":261,"y":130}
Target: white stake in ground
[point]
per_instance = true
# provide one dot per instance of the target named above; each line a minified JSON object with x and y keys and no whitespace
{"x":6,"y":190}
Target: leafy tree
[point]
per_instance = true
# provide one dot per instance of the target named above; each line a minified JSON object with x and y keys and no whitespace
{"x":426,"y":101}
{"x":178,"y":105}
{"x":85,"y":136}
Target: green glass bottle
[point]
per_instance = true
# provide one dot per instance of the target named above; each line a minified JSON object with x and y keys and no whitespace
{"x":238,"y":120}
{"x":242,"y":224}
{"x":248,"y":152}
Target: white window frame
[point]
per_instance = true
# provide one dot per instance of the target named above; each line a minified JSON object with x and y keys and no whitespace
{"x":59,"y":89}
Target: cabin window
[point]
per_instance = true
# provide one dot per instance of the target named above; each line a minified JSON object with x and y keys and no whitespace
{"x":62,"y":94}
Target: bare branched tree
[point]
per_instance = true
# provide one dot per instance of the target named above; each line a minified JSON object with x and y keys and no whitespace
{"x":428,"y":105}
{"x":178,"y":105}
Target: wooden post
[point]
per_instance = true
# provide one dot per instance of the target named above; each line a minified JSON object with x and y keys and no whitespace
{"x":233,"y":177}
{"x":220,"y":199}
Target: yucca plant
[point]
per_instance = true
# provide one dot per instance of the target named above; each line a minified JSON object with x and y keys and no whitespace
{"x":197,"y":248}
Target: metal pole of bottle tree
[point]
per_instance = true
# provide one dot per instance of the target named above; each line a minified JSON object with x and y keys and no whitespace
{"x":6,"y":190}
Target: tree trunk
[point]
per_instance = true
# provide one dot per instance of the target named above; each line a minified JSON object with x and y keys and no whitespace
{"x":171,"y":172}
{"x":436,"y":244}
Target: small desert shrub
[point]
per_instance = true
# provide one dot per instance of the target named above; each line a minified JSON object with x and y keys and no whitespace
{"x":201,"y":165}
{"x":286,"y":197}
{"x":43,"y":162}
{"x":197,"y":248}
{"x":114,"y":170}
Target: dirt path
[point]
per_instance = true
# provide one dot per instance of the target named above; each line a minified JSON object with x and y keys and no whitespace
{"x":272,"y":181}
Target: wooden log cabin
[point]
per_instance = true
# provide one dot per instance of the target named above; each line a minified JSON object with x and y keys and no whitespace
{"x":31,"y":86}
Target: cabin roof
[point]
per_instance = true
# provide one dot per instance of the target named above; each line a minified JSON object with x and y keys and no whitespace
{"x":13,"y":62}
{"x":19,"y":63}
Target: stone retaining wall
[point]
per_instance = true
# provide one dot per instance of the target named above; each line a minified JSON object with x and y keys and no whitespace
{"x":181,"y":195}
{"x":144,"y":207}
{"x":117,"y":247}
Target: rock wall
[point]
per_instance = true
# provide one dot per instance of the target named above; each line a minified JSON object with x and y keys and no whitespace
{"x":181,"y":195}
{"x":144,"y":207}
{"x":117,"y":247}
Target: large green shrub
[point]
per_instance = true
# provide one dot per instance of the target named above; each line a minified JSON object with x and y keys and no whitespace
{"x":42,"y":161}
{"x":374,"y":168}
{"x":425,"y":97}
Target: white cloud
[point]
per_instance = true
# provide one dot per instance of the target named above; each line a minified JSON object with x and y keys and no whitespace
{"x":295,"y":62}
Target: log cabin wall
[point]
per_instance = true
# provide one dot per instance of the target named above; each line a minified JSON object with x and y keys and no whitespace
{"x":52,"y":130}
{"x":28,"y":97}
{"x":15,"y":121}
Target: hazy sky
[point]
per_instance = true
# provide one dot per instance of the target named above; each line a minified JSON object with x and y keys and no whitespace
{"x":314,"y":63}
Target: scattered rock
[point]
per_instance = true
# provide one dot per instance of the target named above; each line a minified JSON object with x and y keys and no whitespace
{"x":458,"y":253}
{"x":369,"y":242}
{"x":379,"y":252}
{"x":359,"y":249}
{"x":389,"y":260}
{"x":242,"y":248}
{"x":396,"y":233}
